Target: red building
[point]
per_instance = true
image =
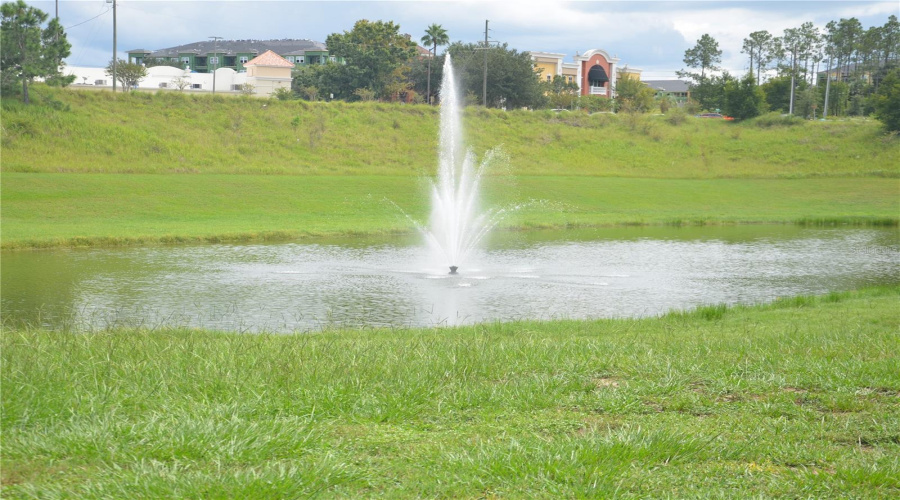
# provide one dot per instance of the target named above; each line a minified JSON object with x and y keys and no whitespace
{"x":596,"y":73}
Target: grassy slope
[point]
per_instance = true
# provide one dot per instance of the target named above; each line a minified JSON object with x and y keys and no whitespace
{"x":794,"y":399}
{"x":338,"y":162}
{"x":67,"y":209}
{"x":174,"y":133}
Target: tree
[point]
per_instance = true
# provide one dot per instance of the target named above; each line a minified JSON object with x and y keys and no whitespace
{"x":887,"y":101}
{"x":634,"y":96}
{"x":743,"y":98}
{"x":706,"y":55}
{"x":434,"y":35}
{"x":180,"y":83}
{"x":372,"y":51}
{"x":28,"y":51}
{"x":511,"y":82}
{"x":562,"y":93}
{"x":759,"y":46}
{"x":128,"y":74}
{"x":709,"y":92}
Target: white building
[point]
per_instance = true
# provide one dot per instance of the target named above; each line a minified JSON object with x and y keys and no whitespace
{"x":265,"y":73}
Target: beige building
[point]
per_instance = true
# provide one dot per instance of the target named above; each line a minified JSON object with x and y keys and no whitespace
{"x":268,"y":72}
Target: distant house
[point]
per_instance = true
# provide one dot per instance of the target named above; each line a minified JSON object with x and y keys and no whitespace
{"x":677,"y":90}
{"x":203,"y":57}
{"x":269,"y":72}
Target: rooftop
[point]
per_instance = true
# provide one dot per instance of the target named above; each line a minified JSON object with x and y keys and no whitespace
{"x":234,"y":47}
{"x":668,"y":85}
{"x":271,"y":59}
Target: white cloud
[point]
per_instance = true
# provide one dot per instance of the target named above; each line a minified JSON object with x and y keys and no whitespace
{"x":650,"y":35}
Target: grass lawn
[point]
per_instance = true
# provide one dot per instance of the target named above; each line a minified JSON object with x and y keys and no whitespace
{"x":799,"y":398}
{"x":109,"y":209}
{"x":77,"y":131}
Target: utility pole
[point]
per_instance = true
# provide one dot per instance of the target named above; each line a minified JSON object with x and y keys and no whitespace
{"x":827,"y":88}
{"x":484,"y":83}
{"x":216,"y":55}
{"x":114,"y":45}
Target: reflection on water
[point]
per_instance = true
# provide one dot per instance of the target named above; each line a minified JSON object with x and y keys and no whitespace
{"x":386,"y":282}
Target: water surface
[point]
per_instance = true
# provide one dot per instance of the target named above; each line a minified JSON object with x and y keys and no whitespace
{"x":392,"y":282}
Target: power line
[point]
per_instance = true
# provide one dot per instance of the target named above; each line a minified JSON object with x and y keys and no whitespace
{"x":89,"y":20}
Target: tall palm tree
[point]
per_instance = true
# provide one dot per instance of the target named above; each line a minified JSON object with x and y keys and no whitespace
{"x":435,"y":35}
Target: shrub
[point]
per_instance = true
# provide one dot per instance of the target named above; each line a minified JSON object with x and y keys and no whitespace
{"x":283,"y":94}
{"x":364,"y":94}
{"x":676,"y":117}
{"x":775,"y":119}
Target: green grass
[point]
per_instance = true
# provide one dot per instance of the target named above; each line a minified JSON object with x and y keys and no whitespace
{"x":798,"y":398}
{"x":42,"y":210}
{"x":79,"y":131}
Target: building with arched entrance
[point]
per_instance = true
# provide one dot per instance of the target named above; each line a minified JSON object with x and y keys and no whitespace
{"x":595,"y":71}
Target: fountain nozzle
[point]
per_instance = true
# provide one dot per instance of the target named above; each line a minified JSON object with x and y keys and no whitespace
{"x":453,"y":269}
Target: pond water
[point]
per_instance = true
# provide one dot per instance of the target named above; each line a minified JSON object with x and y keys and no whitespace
{"x":389,"y":282}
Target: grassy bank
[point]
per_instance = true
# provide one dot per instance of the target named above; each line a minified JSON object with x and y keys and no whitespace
{"x":794,"y":399}
{"x":78,"y":131}
{"x":41,"y":210}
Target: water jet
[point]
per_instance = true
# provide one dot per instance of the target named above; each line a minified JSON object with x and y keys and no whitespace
{"x":457,"y":223}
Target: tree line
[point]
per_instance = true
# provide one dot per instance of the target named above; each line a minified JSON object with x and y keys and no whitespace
{"x":857,"y":63}
{"x":381,"y":63}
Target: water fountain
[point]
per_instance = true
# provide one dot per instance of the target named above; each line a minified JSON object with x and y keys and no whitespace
{"x":457,"y":222}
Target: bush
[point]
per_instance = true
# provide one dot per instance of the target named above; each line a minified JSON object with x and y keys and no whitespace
{"x":283,"y":94}
{"x":676,"y":117}
{"x":594,"y":103}
{"x":776,"y":119}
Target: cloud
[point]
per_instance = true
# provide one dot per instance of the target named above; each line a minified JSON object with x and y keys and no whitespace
{"x":649,"y":35}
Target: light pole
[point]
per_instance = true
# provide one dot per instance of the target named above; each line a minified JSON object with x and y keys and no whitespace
{"x":216,"y":55}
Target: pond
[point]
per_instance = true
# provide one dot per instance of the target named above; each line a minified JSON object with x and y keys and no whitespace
{"x":389,"y":282}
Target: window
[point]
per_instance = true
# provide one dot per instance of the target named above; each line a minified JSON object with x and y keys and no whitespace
{"x":99,"y":82}
{"x":236,"y":88}
{"x":331,"y":58}
{"x":548,"y":78}
{"x":214,"y":60}
{"x":196,"y":86}
{"x":300,"y":59}
{"x":163,"y":85}
{"x":185,"y":61}
{"x":244,"y":59}
{"x":229,"y":61}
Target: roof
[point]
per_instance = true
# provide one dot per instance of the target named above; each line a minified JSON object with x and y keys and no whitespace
{"x":234,"y":47}
{"x":668,"y":85}
{"x":271,"y":59}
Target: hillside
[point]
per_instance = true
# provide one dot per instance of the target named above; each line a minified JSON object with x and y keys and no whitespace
{"x":167,"y":132}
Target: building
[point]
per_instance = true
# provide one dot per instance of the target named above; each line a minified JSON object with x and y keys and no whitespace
{"x":677,"y":90}
{"x":269,"y":72}
{"x":203,"y":57}
{"x":595,"y":72}
{"x":264,"y":74}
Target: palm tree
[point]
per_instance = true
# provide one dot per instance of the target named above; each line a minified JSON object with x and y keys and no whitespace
{"x":435,"y":35}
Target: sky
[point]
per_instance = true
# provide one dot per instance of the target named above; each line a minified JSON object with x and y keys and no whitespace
{"x":648,"y":35}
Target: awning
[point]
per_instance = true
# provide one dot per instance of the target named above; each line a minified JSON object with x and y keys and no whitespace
{"x":597,"y":74}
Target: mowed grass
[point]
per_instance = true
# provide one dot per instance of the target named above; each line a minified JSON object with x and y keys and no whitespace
{"x":79,"y":131}
{"x":798,"y":398}
{"x":41,"y":210}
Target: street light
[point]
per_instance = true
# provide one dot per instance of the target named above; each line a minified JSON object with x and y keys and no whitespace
{"x":216,"y":56}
